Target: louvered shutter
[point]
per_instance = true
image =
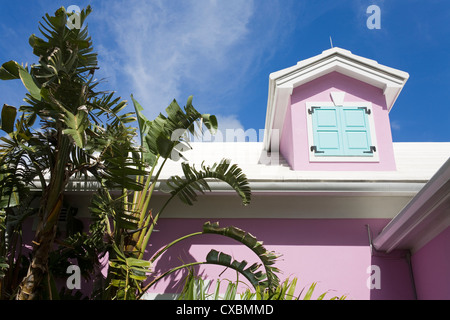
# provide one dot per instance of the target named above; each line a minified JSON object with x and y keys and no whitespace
{"x":326,"y":131}
{"x":355,"y":130}
{"x":341,"y":131}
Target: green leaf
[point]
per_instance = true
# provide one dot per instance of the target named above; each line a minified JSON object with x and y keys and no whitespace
{"x":223,"y":259}
{"x":29,"y":83}
{"x":76,"y":126}
{"x":9,"y":71}
{"x":310,"y":291}
{"x":268,"y":258}
{"x":162,"y":135}
{"x":164,"y":146}
{"x":210,"y":122}
{"x":8,"y":118}
{"x":12,"y":70}
{"x":142,"y":120}
{"x":197,"y":180}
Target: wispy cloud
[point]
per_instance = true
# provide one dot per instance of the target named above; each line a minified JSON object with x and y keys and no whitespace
{"x":395,"y":125}
{"x":161,"y":50}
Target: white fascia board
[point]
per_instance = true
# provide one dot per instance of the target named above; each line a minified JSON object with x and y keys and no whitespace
{"x":286,"y":186}
{"x":334,"y":188}
{"x":275,"y":118}
{"x":423,"y":217}
{"x":339,"y":60}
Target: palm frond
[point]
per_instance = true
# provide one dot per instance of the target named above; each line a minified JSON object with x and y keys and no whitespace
{"x":268,"y":258}
{"x":193,"y":181}
{"x":161,"y":136}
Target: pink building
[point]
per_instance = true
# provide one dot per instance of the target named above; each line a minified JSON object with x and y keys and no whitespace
{"x":341,"y":203}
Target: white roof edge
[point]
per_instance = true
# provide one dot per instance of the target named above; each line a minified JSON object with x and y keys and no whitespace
{"x":382,"y":188}
{"x":422,"y":216}
{"x":343,"y":52}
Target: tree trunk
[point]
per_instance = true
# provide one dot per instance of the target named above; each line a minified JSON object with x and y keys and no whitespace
{"x":51,"y":204}
{"x":39,"y":265}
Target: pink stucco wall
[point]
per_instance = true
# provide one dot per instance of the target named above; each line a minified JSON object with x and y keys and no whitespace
{"x":333,"y":252}
{"x":294,"y":137}
{"x":431,"y":265}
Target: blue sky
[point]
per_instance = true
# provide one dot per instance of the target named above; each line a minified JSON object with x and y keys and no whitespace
{"x":222,"y":52}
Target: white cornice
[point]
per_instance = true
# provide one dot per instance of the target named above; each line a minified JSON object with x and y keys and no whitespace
{"x":425,"y":216}
{"x":283,"y":82}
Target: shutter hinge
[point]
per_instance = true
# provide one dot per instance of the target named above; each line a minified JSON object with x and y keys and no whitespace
{"x":314,"y":149}
{"x":368,"y":111}
{"x":372,"y":150}
{"x":311,"y":110}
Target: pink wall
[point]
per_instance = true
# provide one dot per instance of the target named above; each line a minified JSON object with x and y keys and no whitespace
{"x":335,"y":253}
{"x":431,"y":265}
{"x":294,"y":138}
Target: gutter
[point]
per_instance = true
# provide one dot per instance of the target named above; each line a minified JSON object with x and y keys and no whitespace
{"x":385,"y":188}
{"x":424,"y":217}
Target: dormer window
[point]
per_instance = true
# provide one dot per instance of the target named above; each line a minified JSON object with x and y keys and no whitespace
{"x":341,"y":132}
{"x":331,"y":113}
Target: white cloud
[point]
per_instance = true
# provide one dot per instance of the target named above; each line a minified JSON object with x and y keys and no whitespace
{"x":168,"y":49}
{"x":395,"y":125}
{"x":229,"y":122}
{"x":231,"y":129}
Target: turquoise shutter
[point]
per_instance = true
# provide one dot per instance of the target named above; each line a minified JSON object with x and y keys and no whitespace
{"x":326,"y":131}
{"x":341,"y":131}
{"x":356,"y":131}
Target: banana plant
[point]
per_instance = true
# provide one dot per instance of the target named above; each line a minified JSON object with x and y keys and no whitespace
{"x":133,"y":219}
{"x":81,"y":131}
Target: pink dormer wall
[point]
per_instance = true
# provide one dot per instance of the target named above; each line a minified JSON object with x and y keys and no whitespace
{"x":294,"y":145}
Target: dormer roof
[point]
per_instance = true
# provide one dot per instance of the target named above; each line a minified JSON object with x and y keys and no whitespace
{"x":283,"y":82}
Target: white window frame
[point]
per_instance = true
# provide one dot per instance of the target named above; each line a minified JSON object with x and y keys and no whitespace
{"x":312,"y":156}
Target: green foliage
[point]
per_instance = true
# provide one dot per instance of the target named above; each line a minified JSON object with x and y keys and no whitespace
{"x":268,"y":258}
{"x":257,"y":278}
{"x":128,"y":274}
{"x":13,"y":262}
{"x":197,"y":288}
{"x":194,"y":181}
{"x":165,"y":136}
{"x":81,"y":131}
{"x":128,"y":220}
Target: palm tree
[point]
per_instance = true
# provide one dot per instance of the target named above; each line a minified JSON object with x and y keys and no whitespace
{"x":81,"y":131}
{"x":133,"y":218}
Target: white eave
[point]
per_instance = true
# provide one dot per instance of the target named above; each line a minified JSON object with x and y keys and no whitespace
{"x":283,"y":82}
{"x":425,"y":216}
{"x":414,"y":170}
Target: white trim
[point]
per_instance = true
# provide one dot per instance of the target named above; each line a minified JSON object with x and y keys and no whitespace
{"x":337,"y":97}
{"x":424,"y":217}
{"x":373,"y":137}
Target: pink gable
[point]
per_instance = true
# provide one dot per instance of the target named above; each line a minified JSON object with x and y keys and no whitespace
{"x":294,"y":138}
